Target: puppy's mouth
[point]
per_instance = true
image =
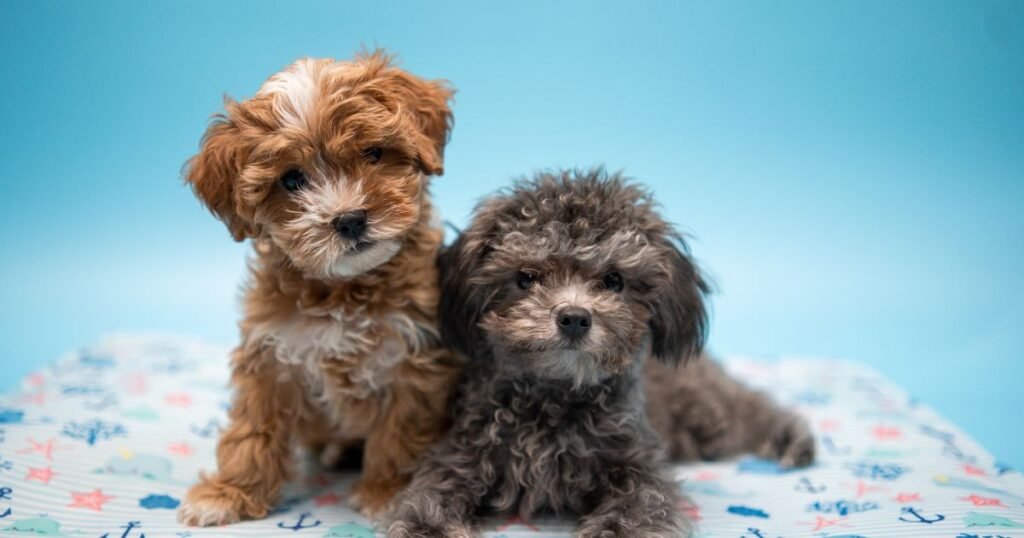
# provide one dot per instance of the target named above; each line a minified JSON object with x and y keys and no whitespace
{"x":360,"y":247}
{"x":362,"y":257}
{"x":574,"y":342}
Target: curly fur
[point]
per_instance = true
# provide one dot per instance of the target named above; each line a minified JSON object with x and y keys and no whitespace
{"x":548,"y":424}
{"x":702,"y":414}
{"x":545,"y":423}
{"x":339,"y":342}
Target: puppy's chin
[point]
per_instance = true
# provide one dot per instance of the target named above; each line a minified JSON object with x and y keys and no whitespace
{"x":355,"y":263}
{"x":579,"y":367}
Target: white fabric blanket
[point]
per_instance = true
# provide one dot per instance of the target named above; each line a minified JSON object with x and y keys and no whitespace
{"x":105,"y":442}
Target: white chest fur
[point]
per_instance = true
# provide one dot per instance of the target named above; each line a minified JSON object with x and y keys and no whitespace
{"x":344,"y":354}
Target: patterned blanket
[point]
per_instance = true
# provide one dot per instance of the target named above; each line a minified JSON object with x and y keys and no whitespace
{"x":104,"y":443}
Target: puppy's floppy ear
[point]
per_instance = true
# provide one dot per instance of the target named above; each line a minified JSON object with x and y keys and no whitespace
{"x":679,"y":320}
{"x":463,"y":302}
{"x":426,"y":101}
{"x":213,"y":172}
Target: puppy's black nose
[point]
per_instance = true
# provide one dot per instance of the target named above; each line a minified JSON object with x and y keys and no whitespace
{"x":574,"y":322}
{"x":351,"y":225}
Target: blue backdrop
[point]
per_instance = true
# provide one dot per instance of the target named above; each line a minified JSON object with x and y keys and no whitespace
{"x":853,"y":172}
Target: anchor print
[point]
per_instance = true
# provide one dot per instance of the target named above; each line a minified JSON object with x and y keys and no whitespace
{"x":918,"y":517}
{"x":805,"y":485}
{"x":833,"y":448}
{"x":755,"y":533}
{"x":301,"y":523}
{"x":108,"y":401}
{"x":951,"y":450}
{"x":949,"y":444}
{"x":207,"y":430}
{"x":5,"y":495}
{"x":128,"y":530}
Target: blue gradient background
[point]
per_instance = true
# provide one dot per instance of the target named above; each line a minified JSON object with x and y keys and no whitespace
{"x":853,"y":172}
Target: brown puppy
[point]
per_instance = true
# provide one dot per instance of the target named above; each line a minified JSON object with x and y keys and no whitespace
{"x":326,"y":171}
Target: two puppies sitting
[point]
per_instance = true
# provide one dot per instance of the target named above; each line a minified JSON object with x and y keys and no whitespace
{"x":556,"y":300}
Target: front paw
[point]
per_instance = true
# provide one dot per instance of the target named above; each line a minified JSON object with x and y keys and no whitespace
{"x":211,"y":503}
{"x":430,"y":515}
{"x":791,"y":442}
{"x":421,"y":529}
{"x":373,"y":498}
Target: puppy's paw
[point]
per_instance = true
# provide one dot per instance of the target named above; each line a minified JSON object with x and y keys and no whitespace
{"x":211,"y":503}
{"x":330,"y":455}
{"x":410,"y":529}
{"x":373,"y":498}
{"x":791,"y":443}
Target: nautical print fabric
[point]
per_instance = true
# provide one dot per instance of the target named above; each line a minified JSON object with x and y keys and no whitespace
{"x":104,"y":442}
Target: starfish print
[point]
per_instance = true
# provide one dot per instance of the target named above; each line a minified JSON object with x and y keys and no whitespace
{"x":689,"y":509}
{"x":93,"y":500}
{"x":907,"y":497}
{"x":42,"y":474}
{"x":863,"y":488}
{"x":38,"y":398}
{"x":829,"y":425}
{"x":886,"y":433}
{"x":978,"y":500}
{"x":824,"y":523}
{"x":705,"y":475}
{"x":516,"y":520}
{"x":46,"y":449}
{"x":178,"y":399}
{"x":974,"y":471}
{"x":181,"y":449}
{"x":327,"y":499}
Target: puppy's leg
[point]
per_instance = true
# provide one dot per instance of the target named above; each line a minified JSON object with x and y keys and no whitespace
{"x":444,"y":496}
{"x":701,"y":413}
{"x":253,"y":453}
{"x":333,"y":451}
{"x":637,"y":503}
{"x":415,"y":418}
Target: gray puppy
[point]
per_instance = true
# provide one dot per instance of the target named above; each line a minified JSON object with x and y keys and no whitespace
{"x":559,"y":292}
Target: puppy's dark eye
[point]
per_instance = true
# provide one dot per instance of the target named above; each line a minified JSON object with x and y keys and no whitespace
{"x":294,"y":180}
{"x":613,"y":282}
{"x":525,"y":280}
{"x":373,"y":155}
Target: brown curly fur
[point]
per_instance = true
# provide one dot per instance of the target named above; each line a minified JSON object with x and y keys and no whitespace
{"x":339,"y":345}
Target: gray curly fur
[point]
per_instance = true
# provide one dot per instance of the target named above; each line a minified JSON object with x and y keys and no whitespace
{"x":545,"y":422}
{"x":702,"y":414}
